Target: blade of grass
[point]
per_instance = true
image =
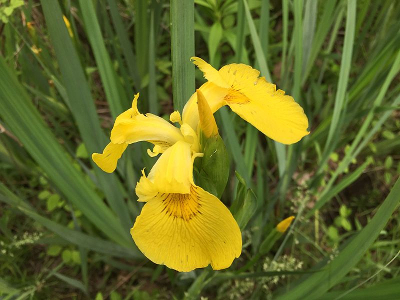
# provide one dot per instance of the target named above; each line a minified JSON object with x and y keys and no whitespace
{"x":71,"y":281}
{"x":345,"y":182}
{"x":233,"y":143}
{"x":25,"y":122}
{"x":257,"y":44}
{"x":115,"y":95}
{"x":182,"y":44}
{"x":239,"y":32}
{"x":310,"y":18}
{"x":153,"y":101}
{"x":142,"y":36}
{"x":250,"y":148}
{"x":263,"y":28}
{"x":344,"y":71}
{"x":355,"y":147}
{"x":316,"y":285}
{"x":298,"y":41}
{"x":75,"y":237}
{"x":285,"y":25}
{"x":82,"y":105}
{"x":387,"y":289}
{"x":325,"y":24}
{"x":126,"y":45}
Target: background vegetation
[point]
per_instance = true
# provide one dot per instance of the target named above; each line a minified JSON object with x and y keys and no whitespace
{"x":65,"y":224}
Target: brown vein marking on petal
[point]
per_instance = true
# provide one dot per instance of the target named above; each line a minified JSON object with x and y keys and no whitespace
{"x":183,"y":206}
{"x":236,"y":97}
{"x":164,"y":145}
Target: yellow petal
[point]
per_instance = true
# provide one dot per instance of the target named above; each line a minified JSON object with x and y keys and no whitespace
{"x":68,"y":25}
{"x":107,"y":161}
{"x":145,"y":128}
{"x":185,"y":232}
{"x":239,"y":76}
{"x":173,"y":171}
{"x":207,"y":121}
{"x":209,"y":72}
{"x":175,"y":117}
{"x":130,"y":113}
{"x":190,"y":137}
{"x":276,"y":115}
{"x":284,"y":225}
{"x":215,"y":97}
{"x":145,"y":189}
{"x":259,"y":103}
{"x":156,"y":150}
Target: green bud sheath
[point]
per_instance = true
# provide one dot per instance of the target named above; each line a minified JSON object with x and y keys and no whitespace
{"x":213,"y":170}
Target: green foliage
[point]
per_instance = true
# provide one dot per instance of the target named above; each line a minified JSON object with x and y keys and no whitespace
{"x":7,"y":7}
{"x":213,"y":167}
{"x":64,"y":224}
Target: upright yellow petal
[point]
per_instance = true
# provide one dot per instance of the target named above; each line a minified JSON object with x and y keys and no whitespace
{"x":147,"y":127}
{"x":188,"y":231}
{"x":209,"y":72}
{"x":173,"y":171}
{"x":215,"y":97}
{"x":107,"y":161}
{"x":130,"y":113}
{"x":175,"y":117}
{"x":207,"y":121}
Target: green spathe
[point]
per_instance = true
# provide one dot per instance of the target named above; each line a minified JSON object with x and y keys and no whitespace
{"x":213,"y":168}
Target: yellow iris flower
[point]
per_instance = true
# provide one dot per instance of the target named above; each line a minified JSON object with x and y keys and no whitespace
{"x":181,"y":225}
{"x":254,"y":99}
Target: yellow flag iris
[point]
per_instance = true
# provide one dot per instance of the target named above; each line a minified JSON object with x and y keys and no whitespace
{"x":253,"y":98}
{"x":183,"y":231}
{"x":181,"y":225}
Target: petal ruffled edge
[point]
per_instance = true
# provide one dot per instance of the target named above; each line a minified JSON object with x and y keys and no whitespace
{"x":185,"y":232}
{"x":149,"y":127}
{"x":209,"y":72}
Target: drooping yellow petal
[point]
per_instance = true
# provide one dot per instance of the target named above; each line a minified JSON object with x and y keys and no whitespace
{"x":215,"y":97}
{"x":258,"y":102}
{"x":173,"y":171}
{"x":275,"y":114}
{"x":209,"y":72}
{"x":147,"y":127}
{"x":188,"y":231}
{"x":207,"y":121}
{"x":107,"y":161}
